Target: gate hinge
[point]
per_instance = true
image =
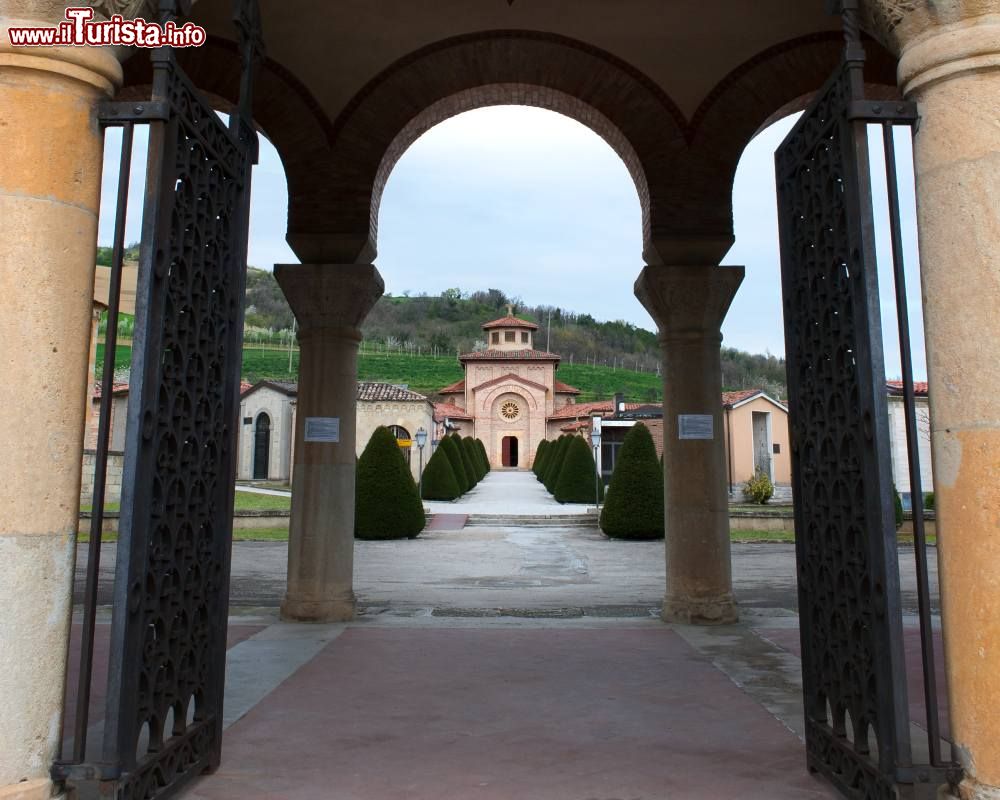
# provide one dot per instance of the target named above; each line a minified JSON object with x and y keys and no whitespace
{"x":117,"y":112}
{"x":88,"y":771}
{"x":902,"y":111}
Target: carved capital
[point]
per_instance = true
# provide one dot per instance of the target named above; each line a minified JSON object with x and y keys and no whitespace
{"x":330,"y":296}
{"x":688,"y":301}
{"x":900,"y":23}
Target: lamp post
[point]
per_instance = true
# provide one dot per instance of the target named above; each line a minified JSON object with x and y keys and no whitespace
{"x":421,"y":437}
{"x":595,"y":440}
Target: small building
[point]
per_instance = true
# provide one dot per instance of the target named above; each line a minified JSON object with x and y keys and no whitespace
{"x":897,"y":439}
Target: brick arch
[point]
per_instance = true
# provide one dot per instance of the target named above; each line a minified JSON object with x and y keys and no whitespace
{"x":778,"y":81}
{"x":615,"y":100}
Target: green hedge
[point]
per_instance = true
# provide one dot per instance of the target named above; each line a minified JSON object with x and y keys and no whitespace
{"x":485,"y":457}
{"x":539,"y":463}
{"x":439,"y":482}
{"x":457,"y":463}
{"x":470,"y":469}
{"x":554,"y":467}
{"x":471,"y":453}
{"x":578,"y":478}
{"x":387,"y":505}
{"x":634,"y":506}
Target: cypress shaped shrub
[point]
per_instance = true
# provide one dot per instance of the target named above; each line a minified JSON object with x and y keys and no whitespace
{"x":537,"y":467}
{"x":457,"y":465}
{"x":578,"y":478}
{"x":471,"y":453}
{"x":439,"y":481}
{"x":553,"y":469}
{"x":387,"y":505}
{"x":551,"y":454}
{"x":634,"y":508}
{"x":470,"y":469}
{"x":485,"y":457}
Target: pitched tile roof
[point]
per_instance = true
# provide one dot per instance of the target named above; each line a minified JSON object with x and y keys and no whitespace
{"x":730,"y":399}
{"x":510,"y":321}
{"x":896,"y":388}
{"x":117,"y":390}
{"x":573,"y":427}
{"x":289,"y":388}
{"x":602,"y":407}
{"x":458,"y":387}
{"x":450,"y":410}
{"x":386,"y":391}
{"x":564,"y":388}
{"x":509,"y":355}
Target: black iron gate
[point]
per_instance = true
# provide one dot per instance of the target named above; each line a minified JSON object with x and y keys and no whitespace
{"x":853,"y":664}
{"x":163,"y":718}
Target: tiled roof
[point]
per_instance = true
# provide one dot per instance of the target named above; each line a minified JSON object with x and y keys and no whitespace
{"x":458,"y":387}
{"x":564,"y":388}
{"x":386,"y":391}
{"x":450,"y":410}
{"x":510,"y":322}
{"x":578,"y":410}
{"x":730,"y":399}
{"x":289,"y":388}
{"x":509,"y":355}
{"x":896,"y":388}
{"x":573,"y":427}
{"x":117,"y":389}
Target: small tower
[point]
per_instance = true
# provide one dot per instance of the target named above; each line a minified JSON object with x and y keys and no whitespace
{"x":509,"y":333}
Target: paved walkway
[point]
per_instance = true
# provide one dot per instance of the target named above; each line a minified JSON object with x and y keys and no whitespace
{"x":508,"y":493}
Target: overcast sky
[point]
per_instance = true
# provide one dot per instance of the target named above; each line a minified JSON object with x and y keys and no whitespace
{"x":535,"y":204}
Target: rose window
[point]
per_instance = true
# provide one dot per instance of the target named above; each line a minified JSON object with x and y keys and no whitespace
{"x":510,"y":410}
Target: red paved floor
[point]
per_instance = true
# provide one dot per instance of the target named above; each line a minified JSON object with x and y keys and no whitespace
{"x":544,"y":714}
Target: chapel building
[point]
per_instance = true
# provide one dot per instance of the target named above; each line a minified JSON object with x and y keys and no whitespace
{"x":509,"y":392}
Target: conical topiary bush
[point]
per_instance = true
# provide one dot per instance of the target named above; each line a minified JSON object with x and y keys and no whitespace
{"x":634,"y":508}
{"x":457,"y":464}
{"x":470,"y":468}
{"x":439,"y":481}
{"x":539,"y":461}
{"x":486,"y":458}
{"x":387,"y":505}
{"x":472,"y":456}
{"x":578,"y":478}
{"x":555,"y":465}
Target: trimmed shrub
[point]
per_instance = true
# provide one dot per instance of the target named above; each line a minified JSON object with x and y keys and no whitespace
{"x":553,"y":468}
{"x":539,"y":462}
{"x":470,"y":470}
{"x":439,"y":482}
{"x":897,"y":506}
{"x":486,"y":458}
{"x":387,"y":505}
{"x":471,"y":453}
{"x":758,"y":489}
{"x":929,"y":501}
{"x":578,"y":479}
{"x":457,"y":463}
{"x":634,"y":508}
{"x":551,"y":456}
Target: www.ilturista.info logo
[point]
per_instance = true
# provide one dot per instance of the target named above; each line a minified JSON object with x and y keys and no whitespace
{"x":80,"y":30}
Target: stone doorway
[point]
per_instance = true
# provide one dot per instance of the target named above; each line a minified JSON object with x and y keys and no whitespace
{"x":262,"y":447}
{"x":509,"y":446}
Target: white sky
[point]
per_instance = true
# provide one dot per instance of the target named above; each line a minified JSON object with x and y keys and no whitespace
{"x":535,"y":204}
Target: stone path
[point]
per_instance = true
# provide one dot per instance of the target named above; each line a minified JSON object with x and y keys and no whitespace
{"x":508,"y":493}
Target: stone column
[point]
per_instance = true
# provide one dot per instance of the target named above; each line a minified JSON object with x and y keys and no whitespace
{"x":953,"y":72}
{"x":330,"y":302}
{"x":689,"y":304}
{"x":50,"y":172}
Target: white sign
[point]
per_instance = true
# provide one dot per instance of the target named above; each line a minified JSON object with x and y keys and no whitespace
{"x":322,"y":429}
{"x":695,"y":426}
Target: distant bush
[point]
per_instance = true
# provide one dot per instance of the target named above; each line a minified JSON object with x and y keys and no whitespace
{"x":758,"y":489}
{"x":553,"y":467}
{"x":439,"y":481}
{"x":634,"y":507}
{"x":471,"y":452}
{"x":485,"y":457}
{"x":457,"y":463}
{"x":578,"y":478}
{"x":897,"y":506}
{"x":929,"y":501}
{"x":387,"y":505}
{"x":471,"y":470}
{"x":539,"y":463}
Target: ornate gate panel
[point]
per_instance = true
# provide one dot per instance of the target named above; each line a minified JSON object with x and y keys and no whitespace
{"x":163,"y":722}
{"x":854,"y":672}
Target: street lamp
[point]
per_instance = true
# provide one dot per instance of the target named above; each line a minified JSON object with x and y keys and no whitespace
{"x":421,"y":437}
{"x":595,"y":440}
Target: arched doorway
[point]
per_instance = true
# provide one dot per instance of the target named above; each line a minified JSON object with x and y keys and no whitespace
{"x":262,"y":447}
{"x":509,"y":445}
{"x":404,"y":440}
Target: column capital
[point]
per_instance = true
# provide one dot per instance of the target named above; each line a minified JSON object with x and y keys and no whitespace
{"x":946,"y":51}
{"x":688,"y":301}
{"x":333,"y":297}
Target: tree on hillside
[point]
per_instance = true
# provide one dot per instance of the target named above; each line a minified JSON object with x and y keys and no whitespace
{"x":634,"y":505}
{"x":439,"y":481}
{"x":387,"y":505}
{"x":578,"y":481}
{"x":457,"y":463}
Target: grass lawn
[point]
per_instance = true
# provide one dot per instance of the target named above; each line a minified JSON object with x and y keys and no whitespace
{"x":244,"y":501}
{"x":737,"y":535}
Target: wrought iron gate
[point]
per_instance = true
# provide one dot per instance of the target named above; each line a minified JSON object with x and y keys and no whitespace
{"x":163,"y":719}
{"x":850,"y":616}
